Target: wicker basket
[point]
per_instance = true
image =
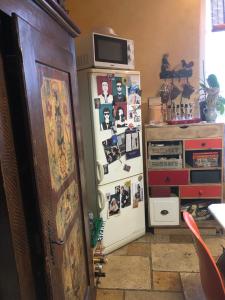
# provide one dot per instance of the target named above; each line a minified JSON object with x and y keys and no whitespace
{"x":172,"y":163}
{"x":164,"y":150}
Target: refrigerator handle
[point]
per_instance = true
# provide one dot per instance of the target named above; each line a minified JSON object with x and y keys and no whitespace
{"x":101,"y":200}
{"x":100,"y":172}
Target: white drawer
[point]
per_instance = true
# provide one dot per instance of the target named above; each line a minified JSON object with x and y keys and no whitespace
{"x":164,"y":211}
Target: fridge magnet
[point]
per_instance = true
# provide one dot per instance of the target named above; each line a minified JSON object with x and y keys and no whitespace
{"x":106,"y":169}
{"x":134,"y":95}
{"x":127,"y":168}
{"x":104,"y":89}
{"x":140,"y":177}
{"x":120,"y":113}
{"x":121,"y":143}
{"x":111,"y":149}
{"x":97,"y":102}
{"x":132,"y":143}
{"x":125,"y":194}
{"x":134,"y":113}
{"x":114,"y":205}
{"x":119,"y":90}
{"x":105,"y":117}
{"x":138,"y":192}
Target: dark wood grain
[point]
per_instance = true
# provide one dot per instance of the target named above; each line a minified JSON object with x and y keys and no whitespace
{"x":14,"y":203}
{"x":39,"y":15}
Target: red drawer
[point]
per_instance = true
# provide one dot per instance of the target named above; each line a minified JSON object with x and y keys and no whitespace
{"x":200,"y":191}
{"x":203,"y":144}
{"x":168,"y":177}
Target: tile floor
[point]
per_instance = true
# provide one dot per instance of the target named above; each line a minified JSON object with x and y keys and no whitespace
{"x":156,"y":267}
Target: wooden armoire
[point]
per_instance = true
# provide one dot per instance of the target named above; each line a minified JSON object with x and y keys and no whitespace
{"x":44,"y":245}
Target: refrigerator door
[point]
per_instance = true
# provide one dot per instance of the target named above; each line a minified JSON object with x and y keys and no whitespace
{"x":116,"y":116}
{"x":123,"y":211}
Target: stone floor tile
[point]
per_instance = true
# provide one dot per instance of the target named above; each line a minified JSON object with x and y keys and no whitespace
{"x":214,"y":244}
{"x":144,"y":239}
{"x":176,"y":238}
{"x":127,"y":272}
{"x":192,"y":286}
{"x":153,"y":238}
{"x":144,"y":295}
{"x":174,"y":257}
{"x":109,"y":294}
{"x":166,"y":281}
{"x":139,"y":249}
{"x":160,"y":238}
{"x":120,"y":251}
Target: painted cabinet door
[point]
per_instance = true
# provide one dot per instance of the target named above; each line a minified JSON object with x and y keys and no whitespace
{"x":50,"y":105}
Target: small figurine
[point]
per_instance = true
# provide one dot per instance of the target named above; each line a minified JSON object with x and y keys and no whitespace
{"x":165,"y":63}
{"x":186,"y":65}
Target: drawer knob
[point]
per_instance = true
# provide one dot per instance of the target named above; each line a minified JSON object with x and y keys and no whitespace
{"x":164,"y":212}
{"x":200,"y":193}
{"x":203,"y":144}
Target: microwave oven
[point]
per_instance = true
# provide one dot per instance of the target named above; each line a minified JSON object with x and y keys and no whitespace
{"x":104,"y":51}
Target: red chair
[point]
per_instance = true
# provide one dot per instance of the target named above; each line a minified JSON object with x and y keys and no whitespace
{"x":211,"y":279}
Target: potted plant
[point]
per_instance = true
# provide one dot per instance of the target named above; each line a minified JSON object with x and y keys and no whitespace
{"x":214,"y":102}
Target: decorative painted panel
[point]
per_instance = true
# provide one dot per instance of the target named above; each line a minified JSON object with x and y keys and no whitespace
{"x":58,"y":129}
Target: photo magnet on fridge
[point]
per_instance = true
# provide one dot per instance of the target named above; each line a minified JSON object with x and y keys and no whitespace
{"x":134,"y":95}
{"x":125,"y":192}
{"x":121,"y":143}
{"x":114,"y":205}
{"x":138,"y":192}
{"x":120,"y":114}
{"x":127,"y":168}
{"x":104,"y":89}
{"x":106,"y":119}
{"x":119,"y":90}
{"x":111,"y":149}
{"x":132,"y":143}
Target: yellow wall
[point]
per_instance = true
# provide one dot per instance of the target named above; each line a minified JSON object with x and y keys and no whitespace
{"x":156,"y":26}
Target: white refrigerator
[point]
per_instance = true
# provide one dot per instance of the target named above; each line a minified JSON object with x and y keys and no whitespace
{"x":110,"y":103}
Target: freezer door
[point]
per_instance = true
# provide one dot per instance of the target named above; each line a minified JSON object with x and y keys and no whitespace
{"x":122,"y":204}
{"x":116,"y":116}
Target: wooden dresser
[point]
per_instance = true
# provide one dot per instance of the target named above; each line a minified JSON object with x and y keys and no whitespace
{"x":184,"y":171}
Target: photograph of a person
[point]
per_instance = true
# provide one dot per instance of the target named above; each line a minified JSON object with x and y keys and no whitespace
{"x":121,"y":143}
{"x":125,"y":194}
{"x":104,"y":88}
{"x":105,"y":117}
{"x":111,"y":149}
{"x":134,"y":95}
{"x":117,"y":190}
{"x":114,"y":205}
{"x":119,"y":91}
{"x":120,"y":112}
{"x":138,"y":192}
